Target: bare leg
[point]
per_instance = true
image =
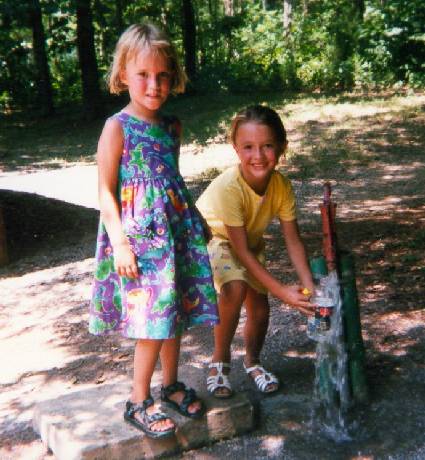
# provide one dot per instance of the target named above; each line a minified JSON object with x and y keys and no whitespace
{"x":145,"y":357}
{"x":170,"y":352}
{"x":257,"y":322}
{"x":230,"y":301}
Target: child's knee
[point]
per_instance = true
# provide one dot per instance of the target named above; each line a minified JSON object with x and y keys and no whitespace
{"x":257,"y":305}
{"x":234,"y":292}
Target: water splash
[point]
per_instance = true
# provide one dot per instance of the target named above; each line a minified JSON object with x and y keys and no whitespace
{"x":331,"y":386}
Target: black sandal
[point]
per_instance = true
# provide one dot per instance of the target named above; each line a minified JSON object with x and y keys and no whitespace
{"x":147,"y":420}
{"x":189,"y":398}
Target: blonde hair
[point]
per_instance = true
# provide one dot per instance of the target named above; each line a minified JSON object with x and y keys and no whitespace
{"x":141,"y":37}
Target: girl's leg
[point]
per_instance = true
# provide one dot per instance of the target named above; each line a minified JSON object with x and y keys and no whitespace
{"x":145,"y":357}
{"x":169,"y":354}
{"x":257,"y":322}
{"x":230,"y":301}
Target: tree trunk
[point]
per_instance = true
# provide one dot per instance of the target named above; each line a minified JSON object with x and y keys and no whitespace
{"x":44,"y":85}
{"x":87,"y":58}
{"x":287,"y":15}
{"x":189,"y":38}
{"x":229,"y":8}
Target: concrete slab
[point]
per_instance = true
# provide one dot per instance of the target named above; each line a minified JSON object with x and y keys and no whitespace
{"x":89,"y":425}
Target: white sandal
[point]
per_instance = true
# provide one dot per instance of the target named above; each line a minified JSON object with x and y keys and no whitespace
{"x":220,"y":380}
{"x":263,"y":380}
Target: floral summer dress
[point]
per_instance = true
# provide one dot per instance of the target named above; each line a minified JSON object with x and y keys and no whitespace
{"x":174,"y":290}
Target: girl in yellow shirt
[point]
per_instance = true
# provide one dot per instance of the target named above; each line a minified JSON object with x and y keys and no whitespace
{"x":238,"y":205}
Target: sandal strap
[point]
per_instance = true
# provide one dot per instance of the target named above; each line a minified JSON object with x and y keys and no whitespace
{"x":219,"y":366}
{"x":213,"y":382}
{"x":141,"y":408}
{"x":132,"y":408}
{"x":263,"y":379}
{"x":255,"y":367}
{"x":219,"y":380}
{"x":189,"y":398}
{"x":173,"y":388}
{"x":189,"y":394}
{"x":155,"y":417}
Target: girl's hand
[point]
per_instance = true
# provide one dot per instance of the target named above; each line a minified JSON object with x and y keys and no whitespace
{"x":293,"y":296}
{"x":125,"y":260}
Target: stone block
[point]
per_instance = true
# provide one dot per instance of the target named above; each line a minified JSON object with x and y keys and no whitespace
{"x":89,"y":424}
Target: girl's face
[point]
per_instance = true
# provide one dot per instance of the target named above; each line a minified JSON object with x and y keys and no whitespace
{"x":258,"y":152}
{"x":149,"y":80}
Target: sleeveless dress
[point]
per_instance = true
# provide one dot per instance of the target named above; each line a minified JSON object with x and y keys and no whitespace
{"x":174,"y":290}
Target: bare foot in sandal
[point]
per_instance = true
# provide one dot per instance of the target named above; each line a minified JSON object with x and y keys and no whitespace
{"x":218,"y":383}
{"x":146,"y":417}
{"x":265,"y":381}
{"x":183,"y":399}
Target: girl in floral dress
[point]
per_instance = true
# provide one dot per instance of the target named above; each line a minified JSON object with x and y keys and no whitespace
{"x":153,"y":278}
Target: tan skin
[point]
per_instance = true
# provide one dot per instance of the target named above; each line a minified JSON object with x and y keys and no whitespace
{"x":258,"y":153}
{"x":148,"y":79}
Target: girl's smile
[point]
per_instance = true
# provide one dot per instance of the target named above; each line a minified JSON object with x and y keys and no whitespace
{"x":258,"y":152}
{"x":148,"y":78}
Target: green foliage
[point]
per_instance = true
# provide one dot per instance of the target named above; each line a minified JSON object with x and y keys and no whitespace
{"x":16,"y":74}
{"x":392,"y":44}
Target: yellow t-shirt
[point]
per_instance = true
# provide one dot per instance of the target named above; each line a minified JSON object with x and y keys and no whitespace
{"x":229,"y":200}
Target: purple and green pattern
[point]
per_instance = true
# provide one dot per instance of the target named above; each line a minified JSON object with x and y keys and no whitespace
{"x":174,"y":290}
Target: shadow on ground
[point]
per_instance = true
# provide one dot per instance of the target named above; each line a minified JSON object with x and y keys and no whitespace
{"x":43,"y":232}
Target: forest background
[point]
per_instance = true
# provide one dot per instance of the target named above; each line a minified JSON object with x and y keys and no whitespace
{"x":54,"y":53}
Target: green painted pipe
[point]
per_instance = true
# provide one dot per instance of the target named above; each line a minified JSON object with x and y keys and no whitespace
{"x":352,"y":328}
{"x":318,"y":267}
{"x":326,"y":388}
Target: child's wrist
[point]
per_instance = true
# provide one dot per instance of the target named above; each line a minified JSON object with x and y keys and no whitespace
{"x":119,"y":243}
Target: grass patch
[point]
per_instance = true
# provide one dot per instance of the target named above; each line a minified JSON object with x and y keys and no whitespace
{"x":328,"y":134}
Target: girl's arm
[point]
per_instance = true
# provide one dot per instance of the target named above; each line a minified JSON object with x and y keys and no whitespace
{"x":109,"y":151}
{"x":297,"y":253}
{"x":289,"y":294}
{"x":177,"y":126}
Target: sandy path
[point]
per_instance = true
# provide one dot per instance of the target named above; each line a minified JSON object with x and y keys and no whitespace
{"x":78,"y":184}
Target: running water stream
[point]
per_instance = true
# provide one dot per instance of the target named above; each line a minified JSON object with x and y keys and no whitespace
{"x":331,"y":386}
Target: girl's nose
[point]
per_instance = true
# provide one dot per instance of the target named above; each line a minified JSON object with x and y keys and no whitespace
{"x":153,"y":81}
{"x":258,"y":152}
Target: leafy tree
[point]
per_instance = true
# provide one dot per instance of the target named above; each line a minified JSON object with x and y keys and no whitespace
{"x":17,"y":74}
{"x":229,"y":45}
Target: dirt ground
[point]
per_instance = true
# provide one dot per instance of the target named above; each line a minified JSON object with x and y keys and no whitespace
{"x":376,"y":167}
